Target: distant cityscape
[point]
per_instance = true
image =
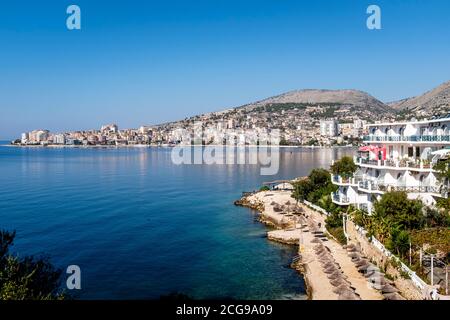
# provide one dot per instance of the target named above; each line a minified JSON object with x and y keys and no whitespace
{"x":322,"y":133}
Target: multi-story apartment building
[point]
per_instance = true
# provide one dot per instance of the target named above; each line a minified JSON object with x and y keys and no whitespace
{"x":329,"y":128}
{"x":397,"y":157}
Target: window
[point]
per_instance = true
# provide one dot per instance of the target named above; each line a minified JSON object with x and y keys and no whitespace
{"x":417,"y":152}
{"x":410,"y":152}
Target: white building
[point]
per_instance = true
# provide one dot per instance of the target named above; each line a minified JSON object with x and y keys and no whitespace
{"x":397,"y":157}
{"x":59,"y":139}
{"x":110,"y":128}
{"x":24,"y":138}
{"x":329,"y":128}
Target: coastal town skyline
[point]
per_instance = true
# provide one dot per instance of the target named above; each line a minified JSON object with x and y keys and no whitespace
{"x":181,"y":60}
{"x":224,"y":157}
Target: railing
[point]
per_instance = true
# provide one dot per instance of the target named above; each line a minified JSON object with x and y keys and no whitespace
{"x":376,"y":186}
{"x":337,"y":179}
{"x":340,"y":198}
{"x":418,"y":282}
{"x":402,"y":163}
{"x":415,"y":138}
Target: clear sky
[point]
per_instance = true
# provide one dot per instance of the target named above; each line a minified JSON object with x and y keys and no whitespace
{"x":147,"y":62}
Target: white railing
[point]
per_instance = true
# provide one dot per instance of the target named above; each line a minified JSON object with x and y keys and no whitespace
{"x":417,"y":281}
{"x":317,"y":208}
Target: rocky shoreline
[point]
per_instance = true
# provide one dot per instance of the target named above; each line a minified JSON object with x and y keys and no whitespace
{"x":296,"y":224}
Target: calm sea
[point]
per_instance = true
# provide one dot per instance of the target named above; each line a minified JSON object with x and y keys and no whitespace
{"x":141,"y":227}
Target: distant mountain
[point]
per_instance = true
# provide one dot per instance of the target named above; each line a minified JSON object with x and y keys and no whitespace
{"x":433,"y":102}
{"x":355,"y":98}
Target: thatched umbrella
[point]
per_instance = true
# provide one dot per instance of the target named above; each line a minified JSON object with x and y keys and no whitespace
{"x":325,"y":259}
{"x":355,"y":260}
{"x":342,"y":288}
{"x":387,"y":288}
{"x":330,"y":270}
{"x":354,"y":255}
{"x":330,"y":263}
{"x":364,"y":267}
{"x":361,"y":262}
{"x":337,"y":282}
{"x":348,"y":295}
{"x":372,"y":272}
{"x":315,"y":240}
{"x":335,"y":275}
{"x":393,"y":296}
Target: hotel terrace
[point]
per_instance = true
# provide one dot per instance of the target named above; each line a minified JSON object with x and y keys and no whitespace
{"x":397,"y":157}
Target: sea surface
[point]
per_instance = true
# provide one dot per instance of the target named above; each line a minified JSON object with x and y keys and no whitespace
{"x":141,"y":227}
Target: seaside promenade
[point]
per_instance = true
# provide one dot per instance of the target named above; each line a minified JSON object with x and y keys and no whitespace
{"x":298,"y":224}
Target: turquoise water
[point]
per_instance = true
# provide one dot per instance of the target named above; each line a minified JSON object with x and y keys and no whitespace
{"x":141,"y":227}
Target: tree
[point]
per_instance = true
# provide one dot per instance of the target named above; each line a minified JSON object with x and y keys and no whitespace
{"x":399,"y":241}
{"x":397,"y":209}
{"x":302,"y":189}
{"x":320,"y":178}
{"x":28,"y":278}
{"x":344,"y":167}
{"x":314,"y":187}
{"x":443,"y":170}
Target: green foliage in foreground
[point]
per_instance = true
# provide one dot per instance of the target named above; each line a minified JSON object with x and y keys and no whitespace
{"x":315,"y":188}
{"x":344,"y":167}
{"x":26,"y":278}
{"x":398,"y":221}
{"x":443,"y":170}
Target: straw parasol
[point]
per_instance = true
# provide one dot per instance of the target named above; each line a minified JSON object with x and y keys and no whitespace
{"x":354,"y":255}
{"x":342,"y":288}
{"x":337,"y":282}
{"x":361,"y":262}
{"x":387,"y":288}
{"x":364,"y":267}
{"x":330,"y":270}
{"x":335,"y":275}
{"x":348,"y":295}
{"x":393,"y":296}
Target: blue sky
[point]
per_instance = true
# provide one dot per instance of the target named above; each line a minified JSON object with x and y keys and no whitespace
{"x":147,"y":62}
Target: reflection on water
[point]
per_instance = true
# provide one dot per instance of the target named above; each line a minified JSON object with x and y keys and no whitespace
{"x":141,"y":227}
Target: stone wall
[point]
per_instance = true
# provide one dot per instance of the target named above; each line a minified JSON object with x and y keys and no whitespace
{"x":406,"y":286}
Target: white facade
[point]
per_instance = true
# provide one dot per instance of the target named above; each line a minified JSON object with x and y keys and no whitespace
{"x":397,"y":157}
{"x":24,"y":138}
{"x":59,"y":139}
{"x":329,"y":128}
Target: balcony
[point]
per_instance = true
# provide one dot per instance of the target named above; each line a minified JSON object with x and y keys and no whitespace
{"x":340,"y":199}
{"x":402,"y":164}
{"x":416,"y":138}
{"x":344,"y":181}
{"x":370,"y":186}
